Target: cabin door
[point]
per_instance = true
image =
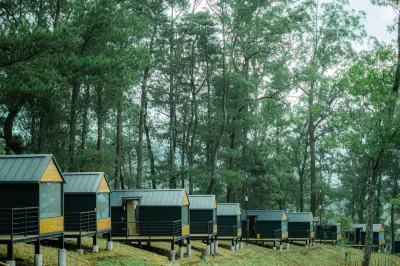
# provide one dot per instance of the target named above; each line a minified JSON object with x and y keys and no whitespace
{"x":253,"y":226}
{"x":131,"y":217}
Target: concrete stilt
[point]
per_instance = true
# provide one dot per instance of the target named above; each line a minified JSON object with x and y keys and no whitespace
{"x":280,"y":247}
{"x":385,"y":250}
{"x":95,"y":248}
{"x":172,"y":255}
{"x":10,"y":262}
{"x":181,"y":252}
{"x":189,"y":250}
{"x":233,"y":248}
{"x":38,"y":260}
{"x":241,"y":246}
{"x":237,"y":246}
{"x":62,"y":257}
{"x":208,"y":249}
{"x":274,"y":248}
{"x":212,"y":246}
{"x":216,"y":246}
{"x":109,"y":245}
{"x":287,"y":246}
{"x":80,"y":251}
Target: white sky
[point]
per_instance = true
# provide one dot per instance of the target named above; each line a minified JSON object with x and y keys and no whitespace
{"x":377,"y":19}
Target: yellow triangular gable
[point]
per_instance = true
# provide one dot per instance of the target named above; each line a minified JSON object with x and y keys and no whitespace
{"x":51,"y":174}
{"x":215,"y":204}
{"x":284,"y":216}
{"x":185,"y":200}
{"x":381,"y":229}
{"x":312,"y":219}
{"x":103,"y":186}
{"x":239,"y":213}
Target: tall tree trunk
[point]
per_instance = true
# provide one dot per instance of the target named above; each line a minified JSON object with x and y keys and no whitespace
{"x":150,"y":153}
{"x":230,"y":189}
{"x":117,"y":172}
{"x":378,"y":204}
{"x":11,"y":145}
{"x":397,"y":77}
{"x":209,"y":143}
{"x":311,"y":133}
{"x":370,"y":211}
{"x":143,"y":103}
{"x":395,"y":192}
{"x":33,"y":133}
{"x":57,"y":14}
{"x":42,"y":133}
{"x":85,"y":118}
{"x":100,"y":116}
{"x":72,"y":126}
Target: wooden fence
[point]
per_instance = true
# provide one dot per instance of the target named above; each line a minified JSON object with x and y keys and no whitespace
{"x":374,"y":262}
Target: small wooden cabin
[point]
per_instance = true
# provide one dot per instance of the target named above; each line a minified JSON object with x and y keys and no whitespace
{"x":31,"y":200}
{"x":87,"y":206}
{"x":328,"y":230}
{"x":149,"y":215}
{"x":203,"y":217}
{"x":265,"y":225}
{"x":359,"y":235}
{"x":396,"y":247}
{"x":301,"y":226}
{"x":229,"y":224}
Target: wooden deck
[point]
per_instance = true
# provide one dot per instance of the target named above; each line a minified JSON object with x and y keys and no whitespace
{"x":77,"y":233}
{"x":146,"y":238}
{"x":267,"y":239}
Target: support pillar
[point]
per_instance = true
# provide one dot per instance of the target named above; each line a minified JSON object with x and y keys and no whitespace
{"x":95,"y":248}
{"x":38,"y":257}
{"x":172,"y":258}
{"x":287,"y":245}
{"x":241,"y":246}
{"x":212,"y":246}
{"x":11,"y":262}
{"x":79,"y":244}
{"x":280,"y":245}
{"x":109,"y":244}
{"x":216,"y":246}
{"x":237,"y":244}
{"x":189,"y":247}
{"x":181,"y":250}
{"x":233,"y":245}
{"x":62,"y":257}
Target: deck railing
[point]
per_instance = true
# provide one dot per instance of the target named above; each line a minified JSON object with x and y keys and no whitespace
{"x":202,"y":228}
{"x":19,"y":222}
{"x":228,"y":230}
{"x":82,"y":222}
{"x":270,"y":234}
{"x":150,"y":229}
{"x":299,"y":234}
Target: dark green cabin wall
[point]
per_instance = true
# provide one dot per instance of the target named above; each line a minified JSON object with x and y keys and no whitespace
{"x":264,"y":228}
{"x":199,"y":220}
{"x":166,"y":215}
{"x":79,"y":202}
{"x":298,"y":229}
{"x":19,"y":196}
{"x":397,"y":247}
{"x":327,"y":233}
{"x":226,"y":222}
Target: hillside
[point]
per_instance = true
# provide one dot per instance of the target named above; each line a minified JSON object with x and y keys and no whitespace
{"x":157,"y":255}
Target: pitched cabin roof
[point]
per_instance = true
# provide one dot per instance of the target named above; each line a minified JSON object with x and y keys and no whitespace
{"x":397,"y":238}
{"x":300,"y":217}
{"x":151,"y":197}
{"x":375,"y":227}
{"x":29,"y":168}
{"x":86,"y":182}
{"x":228,"y":209}
{"x":330,"y":221}
{"x":202,"y":202}
{"x":265,"y":215}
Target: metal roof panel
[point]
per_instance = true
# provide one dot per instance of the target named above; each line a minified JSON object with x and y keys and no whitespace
{"x":299,"y":217}
{"x":204,"y":202}
{"x":264,"y":215}
{"x":228,"y":209}
{"x":150,"y":197}
{"x":83,"y":182}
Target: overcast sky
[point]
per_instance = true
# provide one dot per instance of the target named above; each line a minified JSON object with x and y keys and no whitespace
{"x":377,"y":20}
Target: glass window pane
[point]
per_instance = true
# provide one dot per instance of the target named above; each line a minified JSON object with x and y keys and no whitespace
{"x":103,"y":205}
{"x":50,"y":199}
{"x":185,"y":215}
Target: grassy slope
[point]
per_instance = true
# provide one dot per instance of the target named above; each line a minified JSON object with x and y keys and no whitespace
{"x":158,"y":254}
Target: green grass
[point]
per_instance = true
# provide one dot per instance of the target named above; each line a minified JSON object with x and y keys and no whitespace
{"x":158,"y":254}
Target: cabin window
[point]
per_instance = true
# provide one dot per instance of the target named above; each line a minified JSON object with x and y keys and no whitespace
{"x":185,"y":215}
{"x":238,"y":223}
{"x":311,"y":227}
{"x":381,"y":236}
{"x":50,"y":199}
{"x":284,"y":226}
{"x":215,"y":216}
{"x":103,"y":205}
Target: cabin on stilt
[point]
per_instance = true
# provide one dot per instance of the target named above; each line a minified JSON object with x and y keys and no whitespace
{"x":31,"y":203}
{"x":327,"y":230}
{"x":87,"y":207}
{"x":229,"y":224}
{"x":151,"y":215}
{"x":203,"y":220}
{"x":358,"y":234}
{"x":265,"y":226}
{"x":301,"y":227}
{"x":396,"y":247}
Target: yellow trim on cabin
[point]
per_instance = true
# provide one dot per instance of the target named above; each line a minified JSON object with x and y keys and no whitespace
{"x":51,"y":174}
{"x":258,"y":236}
{"x":339,"y":237}
{"x":215,"y":228}
{"x":312,"y":219}
{"x":104,"y":224}
{"x":381,"y":229}
{"x":185,"y":230}
{"x":49,"y":225}
{"x":239,"y":232}
{"x":185,"y":201}
{"x":103,"y":187}
{"x":382,"y":242}
{"x":284,"y":216}
{"x":285,"y":234}
{"x":239,"y":212}
{"x":215,"y":204}
{"x":312,"y":234}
